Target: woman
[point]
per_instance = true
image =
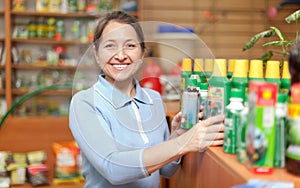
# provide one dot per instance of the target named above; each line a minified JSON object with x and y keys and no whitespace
{"x":120,"y":127}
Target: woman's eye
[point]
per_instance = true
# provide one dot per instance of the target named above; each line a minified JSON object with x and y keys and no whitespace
{"x":130,"y":45}
{"x":109,"y":46}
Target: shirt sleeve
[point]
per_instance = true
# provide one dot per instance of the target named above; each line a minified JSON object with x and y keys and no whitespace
{"x":169,"y":170}
{"x":92,"y":133}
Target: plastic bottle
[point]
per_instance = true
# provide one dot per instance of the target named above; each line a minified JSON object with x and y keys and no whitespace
{"x":241,"y":132}
{"x":285,"y":78}
{"x":219,"y":89}
{"x":203,"y":98}
{"x":60,"y":31}
{"x":280,"y":141}
{"x":198,"y":69}
{"x":240,"y":77}
{"x":273,"y":73}
{"x":256,"y":70}
{"x":209,"y":65}
{"x":232,"y":121}
{"x":186,"y":72}
{"x":190,"y":104}
{"x":230,"y":70}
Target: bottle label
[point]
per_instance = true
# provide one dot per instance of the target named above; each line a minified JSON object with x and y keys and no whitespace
{"x":215,"y":99}
{"x":230,"y":133}
{"x":203,"y":102}
{"x":241,"y":138}
{"x":190,"y":108}
{"x":279,"y":157}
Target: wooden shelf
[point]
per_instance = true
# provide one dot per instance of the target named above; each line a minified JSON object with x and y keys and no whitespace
{"x":61,"y":92}
{"x":77,"y":185}
{"x":48,"y":41}
{"x":42,"y":66}
{"x":200,"y":170}
{"x":54,"y":14}
{"x":2,"y":91}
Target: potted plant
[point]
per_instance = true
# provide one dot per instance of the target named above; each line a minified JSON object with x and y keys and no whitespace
{"x":282,"y":41}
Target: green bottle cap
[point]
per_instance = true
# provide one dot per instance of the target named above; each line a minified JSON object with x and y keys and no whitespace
{"x":281,"y":97}
{"x":203,"y":86}
{"x":236,"y":93}
{"x":191,"y":82}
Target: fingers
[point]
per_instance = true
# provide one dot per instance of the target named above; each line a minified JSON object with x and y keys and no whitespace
{"x":177,"y":117}
{"x":176,"y":121}
{"x":214,"y":120}
{"x":215,"y":128}
{"x":200,"y":115}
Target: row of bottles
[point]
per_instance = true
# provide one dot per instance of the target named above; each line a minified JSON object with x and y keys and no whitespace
{"x":227,"y":93}
{"x":222,"y":77}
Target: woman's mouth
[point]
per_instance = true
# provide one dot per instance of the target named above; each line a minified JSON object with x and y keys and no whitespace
{"x":120,"y":67}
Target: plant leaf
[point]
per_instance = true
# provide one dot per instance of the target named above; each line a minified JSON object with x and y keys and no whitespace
{"x":267,"y":56}
{"x":278,"y":33}
{"x":255,"y":38}
{"x":290,"y":43}
{"x":275,"y":43}
{"x":293,"y":17}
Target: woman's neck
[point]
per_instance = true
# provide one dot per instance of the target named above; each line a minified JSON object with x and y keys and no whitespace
{"x":127,"y":87}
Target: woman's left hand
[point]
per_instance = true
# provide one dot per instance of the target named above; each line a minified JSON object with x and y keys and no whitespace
{"x":176,"y":122}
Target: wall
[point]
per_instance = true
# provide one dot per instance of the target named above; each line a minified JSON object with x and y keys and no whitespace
{"x":236,"y":22}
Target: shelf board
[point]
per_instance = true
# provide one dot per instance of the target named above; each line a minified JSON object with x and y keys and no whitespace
{"x":61,"y":92}
{"x":2,"y":91}
{"x":48,"y":41}
{"x":2,"y":39}
{"x":38,"y":66}
{"x":54,"y":14}
{"x":63,"y":15}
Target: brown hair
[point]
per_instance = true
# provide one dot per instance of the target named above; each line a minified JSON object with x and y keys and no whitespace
{"x":121,"y":17}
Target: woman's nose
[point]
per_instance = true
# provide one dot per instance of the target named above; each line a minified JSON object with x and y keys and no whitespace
{"x":120,"y":55}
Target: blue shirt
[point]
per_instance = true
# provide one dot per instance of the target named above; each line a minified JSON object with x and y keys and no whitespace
{"x":112,"y":131}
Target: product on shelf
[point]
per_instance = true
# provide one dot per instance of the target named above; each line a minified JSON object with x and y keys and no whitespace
{"x":232,"y":121}
{"x":219,"y":88}
{"x":67,"y":162}
{"x":20,"y":168}
{"x":18,"y":5}
{"x":190,"y":104}
{"x":260,"y":134}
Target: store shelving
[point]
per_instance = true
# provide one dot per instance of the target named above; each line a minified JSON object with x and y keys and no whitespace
{"x":48,"y":41}
{"x":11,"y":18}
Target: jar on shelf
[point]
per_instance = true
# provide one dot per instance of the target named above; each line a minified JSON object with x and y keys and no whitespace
{"x":51,"y":28}
{"x":32,"y":32}
{"x":41,"y":28}
{"x":59,"y":35}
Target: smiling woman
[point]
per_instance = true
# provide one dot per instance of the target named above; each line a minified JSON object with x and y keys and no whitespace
{"x":120,"y":127}
{"x":119,"y":53}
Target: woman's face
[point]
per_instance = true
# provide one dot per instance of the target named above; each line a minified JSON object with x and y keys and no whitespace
{"x":119,"y":53}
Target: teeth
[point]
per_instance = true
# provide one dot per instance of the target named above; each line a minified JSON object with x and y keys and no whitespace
{"x":120,"y":66}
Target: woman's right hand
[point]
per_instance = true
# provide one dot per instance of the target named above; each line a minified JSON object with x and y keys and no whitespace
{"x":209,"y":132}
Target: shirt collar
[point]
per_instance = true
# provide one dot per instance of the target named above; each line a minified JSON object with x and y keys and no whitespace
{"x":118,"y":99}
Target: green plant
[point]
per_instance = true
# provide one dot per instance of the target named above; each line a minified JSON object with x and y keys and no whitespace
{"x":283,"y":42}
{"x":30,"y":95}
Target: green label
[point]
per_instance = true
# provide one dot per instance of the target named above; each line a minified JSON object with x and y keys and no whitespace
{"x":230,"y":133}
{"x":261,"y":136}
{"x":279,"y":158}
{"x":241,"y":138}
{"x":215,"y":99}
